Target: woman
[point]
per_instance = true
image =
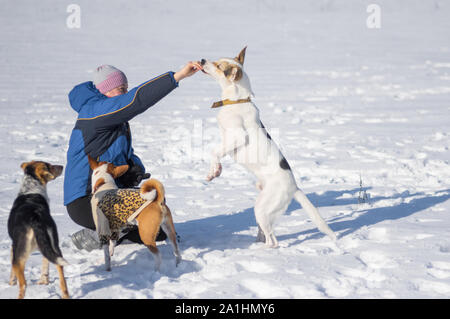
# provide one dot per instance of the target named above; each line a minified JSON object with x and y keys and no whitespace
{"x":104,"y":108}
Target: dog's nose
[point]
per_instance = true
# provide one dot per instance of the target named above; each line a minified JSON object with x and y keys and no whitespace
{"x":203,"y":61}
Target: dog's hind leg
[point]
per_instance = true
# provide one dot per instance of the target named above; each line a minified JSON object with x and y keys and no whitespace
{"x":62,"y":282}
{"x":169,"y":228}
{"x":260,"y":238}
{"x":12,"y":277}
{"x":19,"y":270}
{"x":44,"y":272}
{"x":267,"y":208}
{"x":22,"y":248}
{"x":156,"y":255}
{"x":265,"y":222}
{"x":148,"y":226}
{"x":18,"y":266}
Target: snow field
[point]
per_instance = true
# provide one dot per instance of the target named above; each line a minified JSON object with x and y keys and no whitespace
{"x":346,"y":105}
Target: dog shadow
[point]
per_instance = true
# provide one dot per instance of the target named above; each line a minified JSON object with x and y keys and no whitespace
{"x":219,"y":232}
{"x":368,"y":217}
{"x":239,"y":230}
{"x":404,"y":209}
{"x":135,"y":271}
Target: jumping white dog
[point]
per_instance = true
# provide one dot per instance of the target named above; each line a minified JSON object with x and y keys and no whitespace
{"x":247,"y":141}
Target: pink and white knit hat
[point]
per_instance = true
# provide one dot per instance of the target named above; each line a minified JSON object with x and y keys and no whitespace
{"x":107,"y":77}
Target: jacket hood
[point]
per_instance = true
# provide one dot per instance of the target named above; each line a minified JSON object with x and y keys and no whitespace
{"x":81,"y":94}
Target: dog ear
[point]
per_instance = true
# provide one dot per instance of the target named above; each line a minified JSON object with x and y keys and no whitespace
{"x":120,"y":170}
{"x":241,"y":56}
{"x":28,"y":168}
{"x":41,"y":171}
{"x":236,"y":74}
{"x":24,"y":165}
{"x":92,"y":162}
{"x":56,"y":170}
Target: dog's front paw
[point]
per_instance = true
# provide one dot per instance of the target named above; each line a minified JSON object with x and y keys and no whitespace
{"x":216,"y":170}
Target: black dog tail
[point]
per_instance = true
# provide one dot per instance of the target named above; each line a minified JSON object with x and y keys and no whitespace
{"x":47,"y":241}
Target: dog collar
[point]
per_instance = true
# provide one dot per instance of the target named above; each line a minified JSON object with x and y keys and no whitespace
{"x":228,"y":102}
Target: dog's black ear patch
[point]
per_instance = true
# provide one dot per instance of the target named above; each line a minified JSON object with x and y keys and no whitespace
{"x":241,"y":56}
{"x":233,"y":72}
{"x":284,"y":164}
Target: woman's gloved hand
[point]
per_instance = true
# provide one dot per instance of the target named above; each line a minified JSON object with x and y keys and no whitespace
{"x":133,"y":176}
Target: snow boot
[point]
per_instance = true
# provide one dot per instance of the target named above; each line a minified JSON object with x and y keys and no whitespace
{"x":86,"y":239}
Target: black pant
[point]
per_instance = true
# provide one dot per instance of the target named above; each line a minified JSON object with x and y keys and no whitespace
{"x":80,"y":212}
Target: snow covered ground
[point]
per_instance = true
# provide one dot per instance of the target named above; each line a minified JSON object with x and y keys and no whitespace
{"x":346,"y":103}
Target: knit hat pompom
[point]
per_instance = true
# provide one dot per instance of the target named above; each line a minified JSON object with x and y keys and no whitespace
{"x":107,"y":78}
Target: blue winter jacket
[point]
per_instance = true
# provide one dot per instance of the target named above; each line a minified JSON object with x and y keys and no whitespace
{"x":102,"y":129}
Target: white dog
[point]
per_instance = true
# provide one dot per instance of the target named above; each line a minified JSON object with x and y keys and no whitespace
{"x":246,"y":140}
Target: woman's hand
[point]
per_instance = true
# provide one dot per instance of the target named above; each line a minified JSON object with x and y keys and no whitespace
{"x":188,"y":70}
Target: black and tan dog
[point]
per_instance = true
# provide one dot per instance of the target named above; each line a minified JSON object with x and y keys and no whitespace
{"x":31,"y":226}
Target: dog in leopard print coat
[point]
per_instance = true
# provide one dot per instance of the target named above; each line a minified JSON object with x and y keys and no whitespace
{"x":114,"y":208}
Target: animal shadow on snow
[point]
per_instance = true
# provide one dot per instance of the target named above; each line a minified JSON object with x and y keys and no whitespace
{"x":133,"y":269}
{"x":238,"y":230}
{"x":376,"y":215}
{"x":370,"y":216}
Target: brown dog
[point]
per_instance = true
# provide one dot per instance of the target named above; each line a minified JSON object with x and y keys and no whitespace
{"x":31,"y":226}
{"x":118,"y":205}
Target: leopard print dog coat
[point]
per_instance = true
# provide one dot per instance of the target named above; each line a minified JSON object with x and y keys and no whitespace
{"x":118,"y":205}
